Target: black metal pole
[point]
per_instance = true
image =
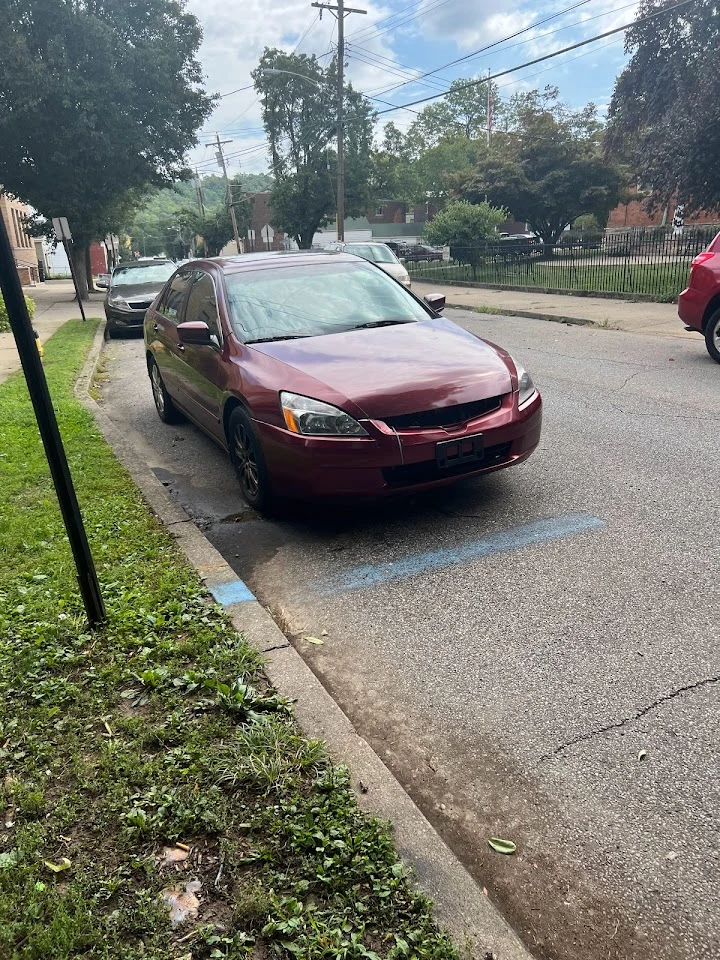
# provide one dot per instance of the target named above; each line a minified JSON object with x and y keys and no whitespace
{"x":47,"y":422}
{"x":68,"y":254}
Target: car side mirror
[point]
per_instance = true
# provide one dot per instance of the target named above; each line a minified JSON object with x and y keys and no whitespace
{"x":402,"y":259}
{"x":195,"y":331}
{"x":436,"y":301}
{"x":103,"y":281}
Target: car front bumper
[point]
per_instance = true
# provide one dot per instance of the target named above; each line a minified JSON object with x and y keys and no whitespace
{"x":389,"y":462}
{"x":125,"y":319}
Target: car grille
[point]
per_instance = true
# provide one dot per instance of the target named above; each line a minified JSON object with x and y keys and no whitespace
{"x":140,"y":304}
{"x":427,"y":470}
{"x":444,"y":416}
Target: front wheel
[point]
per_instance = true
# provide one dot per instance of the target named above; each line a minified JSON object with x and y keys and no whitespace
{"x":166,"y":409}
{"x":712,"y":336}
{"x":247,"y":458}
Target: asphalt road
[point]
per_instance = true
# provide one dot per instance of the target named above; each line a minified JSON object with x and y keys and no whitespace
{"x":561,"y":692}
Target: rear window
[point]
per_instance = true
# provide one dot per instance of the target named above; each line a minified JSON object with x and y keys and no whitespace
{"x":315,"y":299}
{"x":376,"y":254}
{"x":152,"y":273}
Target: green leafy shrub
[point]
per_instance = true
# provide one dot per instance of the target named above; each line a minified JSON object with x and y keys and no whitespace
{"x":4,"y":320}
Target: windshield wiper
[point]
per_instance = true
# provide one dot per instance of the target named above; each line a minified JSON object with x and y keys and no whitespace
{"x":287,"y":336}
{"x":380,"y":323}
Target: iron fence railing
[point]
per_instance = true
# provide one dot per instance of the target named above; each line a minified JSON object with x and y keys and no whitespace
{"x":652,"y":263}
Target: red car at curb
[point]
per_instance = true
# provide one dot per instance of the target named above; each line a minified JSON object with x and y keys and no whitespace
{"x":323,"y":377}
{"x":699,"y":303}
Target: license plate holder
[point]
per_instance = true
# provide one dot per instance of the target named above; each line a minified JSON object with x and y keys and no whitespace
{"x":460,"y":451}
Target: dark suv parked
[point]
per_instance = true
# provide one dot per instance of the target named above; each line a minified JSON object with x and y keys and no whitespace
{"x":133,"y":287}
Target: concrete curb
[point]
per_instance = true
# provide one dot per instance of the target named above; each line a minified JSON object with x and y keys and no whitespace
{"x":593,"y":294}
{"x":530,"y":315}
{"x":474,"y":923}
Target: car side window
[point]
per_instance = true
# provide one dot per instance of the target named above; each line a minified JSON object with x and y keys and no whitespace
{"x":202,"y":303}
{"x":171,"y":305}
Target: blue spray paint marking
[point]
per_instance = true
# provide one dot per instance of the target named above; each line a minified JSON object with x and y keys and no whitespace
{"x":234,"y":591}
{"x":514,"y":539}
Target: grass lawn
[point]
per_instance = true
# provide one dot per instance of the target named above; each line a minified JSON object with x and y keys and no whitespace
{"x":662,"y":281}
{"x":159,"y":731}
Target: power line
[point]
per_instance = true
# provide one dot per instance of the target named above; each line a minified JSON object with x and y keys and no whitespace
{"x":496,"y":43}
{"x":390,"y":16}
{"x":399,"y":23}
{"x":547,"y":56}
{"x":239,"y":90}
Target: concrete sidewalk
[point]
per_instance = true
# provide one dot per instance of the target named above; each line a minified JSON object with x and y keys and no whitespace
{"x":54,"y":304}
{"x":651,"y":319}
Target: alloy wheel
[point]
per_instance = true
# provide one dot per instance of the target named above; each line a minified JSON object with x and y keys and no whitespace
{"x":716,"y":335}
{"x":246,"y":461}
{"x":157,"y":389}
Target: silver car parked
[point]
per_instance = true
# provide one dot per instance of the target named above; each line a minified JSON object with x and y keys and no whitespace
{"x":377,"y":253}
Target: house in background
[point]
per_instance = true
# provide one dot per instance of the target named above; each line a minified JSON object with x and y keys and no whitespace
{"x":14,"y":214}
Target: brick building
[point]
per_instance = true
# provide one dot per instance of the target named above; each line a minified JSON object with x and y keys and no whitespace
{"x":23,"y":246}
{"x":634,"y":214}
{"x":261,"y":234}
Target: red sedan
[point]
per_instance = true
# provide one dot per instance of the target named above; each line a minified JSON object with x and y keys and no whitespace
{"x":699,"y":303}
{"x":324,"y":377}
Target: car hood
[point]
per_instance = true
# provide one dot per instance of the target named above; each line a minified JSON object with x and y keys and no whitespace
{"x":406,"y":368}
{"x":137,"y":291}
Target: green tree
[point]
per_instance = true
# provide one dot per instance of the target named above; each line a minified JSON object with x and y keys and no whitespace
{"x":98,"y":100}
{"x":462,"y":113}
{"x":215,"y":230}
{"x":465,"y":227}
{"x":300,"y":123}
{"x":547,"y":173}
{"x":664,"y":117}
{"x":449,"y":157}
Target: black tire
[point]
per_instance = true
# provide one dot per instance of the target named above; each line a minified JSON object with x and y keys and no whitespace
{"x":712,"y":336}
{"x":166,"y":409}
{"x":249,"y":462}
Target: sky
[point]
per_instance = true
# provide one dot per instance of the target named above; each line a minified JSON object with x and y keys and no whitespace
{"x":396,"y":41}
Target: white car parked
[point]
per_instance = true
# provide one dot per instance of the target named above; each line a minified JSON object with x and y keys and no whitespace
{"x":377,"y":253}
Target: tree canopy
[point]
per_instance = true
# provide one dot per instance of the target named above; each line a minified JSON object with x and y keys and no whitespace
{"x":300,"y":122}
{"x":98,"y":100}
{"x":464,"y":224}
{"x":547,"y":171}
{"x":664,"y":117}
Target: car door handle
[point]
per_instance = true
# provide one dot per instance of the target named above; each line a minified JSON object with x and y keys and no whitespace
{"x":157,"y":328}
{"x":181,"y":347}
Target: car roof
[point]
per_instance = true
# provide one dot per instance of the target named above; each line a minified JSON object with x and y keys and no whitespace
{"x":271,"y":258}
{"x":149,"y":262}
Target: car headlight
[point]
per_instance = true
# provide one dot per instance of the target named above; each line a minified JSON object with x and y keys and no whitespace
{"x":526,"y":387}
{"x":315,"y":418}
{"x":120,"y":303}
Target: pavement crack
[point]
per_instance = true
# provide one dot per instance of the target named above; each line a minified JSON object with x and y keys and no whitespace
{"x":280,"y":646}
{"x":618,"y":724}
{"x":628,"y":379}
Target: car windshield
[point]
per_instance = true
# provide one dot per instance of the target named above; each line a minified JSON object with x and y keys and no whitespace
{"x":376,"y":253}
{"x":152,"y":273}
{"x":310,"y":300}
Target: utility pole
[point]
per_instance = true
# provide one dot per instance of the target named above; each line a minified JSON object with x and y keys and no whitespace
{"x":221,"y":160}
{"x":340,"y":12}
{"x":47,"y":423}
{"x":489,"y":109}
{"x":198,"y":190}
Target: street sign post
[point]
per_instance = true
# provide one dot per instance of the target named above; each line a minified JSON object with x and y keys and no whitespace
{"x":45,"y":414}
{"x":62,"y":233}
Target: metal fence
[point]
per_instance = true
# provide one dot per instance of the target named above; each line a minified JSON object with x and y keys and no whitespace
{"x":653,"y":263}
